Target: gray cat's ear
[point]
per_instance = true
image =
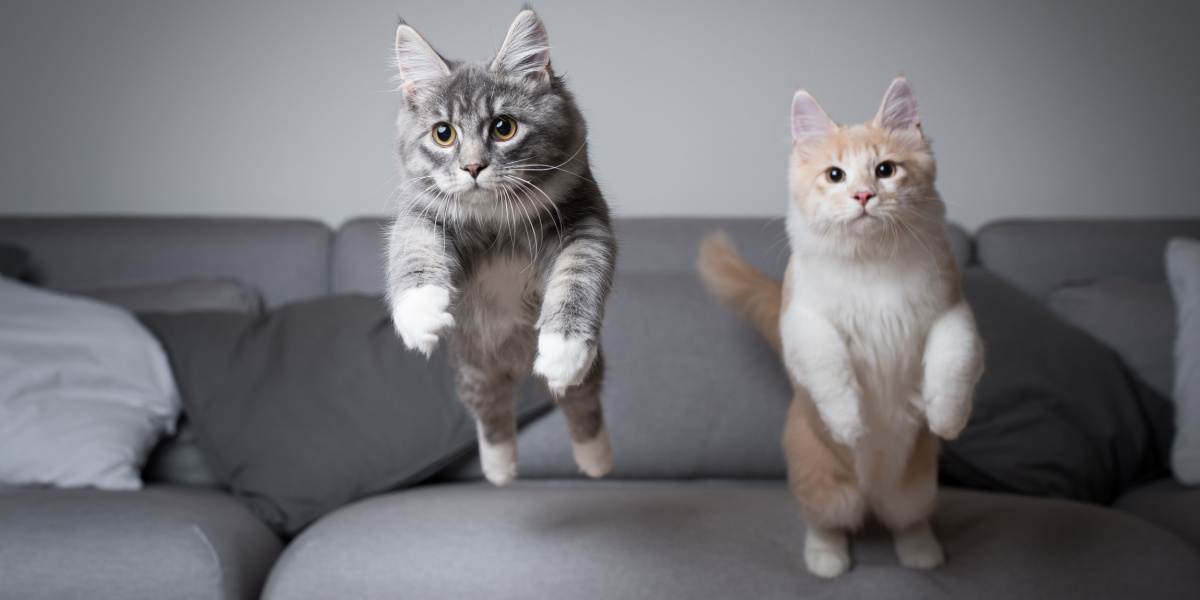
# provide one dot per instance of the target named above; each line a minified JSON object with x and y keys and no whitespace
{"x":809,"y":121}
{"x":899,"y":107}
{"x":526,"y":48}
{"x":418,"y":63}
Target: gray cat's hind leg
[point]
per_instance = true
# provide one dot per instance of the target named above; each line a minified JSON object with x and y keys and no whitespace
{"x":585,"y":419}
{"x":488,"y":393}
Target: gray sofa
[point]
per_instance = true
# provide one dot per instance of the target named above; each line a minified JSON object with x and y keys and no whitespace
{"x":696,"y":506}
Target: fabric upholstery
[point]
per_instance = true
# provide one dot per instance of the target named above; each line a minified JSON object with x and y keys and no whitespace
{"x":1056,"y":413}
{"x":1137,"y":319}
{"x":711,"y":540}
{"x":13,"y":260}
{"x":1040,"y":256}
{"x":283,"y":259}
{"x":1183,"y":267}
{"x":315,"y":404}
{"x":1168,"y":504}
{"x":85,"y":391}
{"x":160,"y":542}
{"x":218,"y":293}
{"x":645,"y":245}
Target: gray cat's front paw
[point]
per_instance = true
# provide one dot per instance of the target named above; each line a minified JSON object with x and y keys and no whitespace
{"x":563,"y":360}
{"x":419,"y":314}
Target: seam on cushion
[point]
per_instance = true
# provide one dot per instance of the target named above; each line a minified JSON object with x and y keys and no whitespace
{"x":216,"y":560}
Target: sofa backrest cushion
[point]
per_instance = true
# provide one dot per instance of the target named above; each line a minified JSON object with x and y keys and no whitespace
{"x":1044,"y":255}
{"x":283,"y":260}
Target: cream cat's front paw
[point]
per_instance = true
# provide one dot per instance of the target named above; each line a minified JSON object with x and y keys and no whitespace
{"x":419,"y":314}
{"x":826,"y":552}
{"x":947,"y":415}
{"x":563,"y":360}
{"x":843,"y":422}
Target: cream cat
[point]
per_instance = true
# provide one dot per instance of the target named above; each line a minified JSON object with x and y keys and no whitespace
{"x":872,"y":326}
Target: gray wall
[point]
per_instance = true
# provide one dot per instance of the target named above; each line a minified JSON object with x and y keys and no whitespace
{"x":283,"y":108}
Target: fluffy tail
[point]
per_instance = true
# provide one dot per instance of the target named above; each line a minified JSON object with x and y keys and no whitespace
{"x":732,"y":280}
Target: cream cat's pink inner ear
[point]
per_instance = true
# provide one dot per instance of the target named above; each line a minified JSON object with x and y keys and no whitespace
{"x":418,"y":65}
{"x":899,"y":107}
{"x":526,"y":48}
{"x":809,"y":121}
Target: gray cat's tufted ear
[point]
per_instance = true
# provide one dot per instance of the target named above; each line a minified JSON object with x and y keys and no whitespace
{"x":899,"y":107}
{"x":809,"y":121}
{"x":526,"y":49}
{"x":418,"y":63}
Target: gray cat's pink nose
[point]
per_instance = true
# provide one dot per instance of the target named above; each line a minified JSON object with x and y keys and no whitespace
{"x":474,"y":169}
{"x":864,"y":197}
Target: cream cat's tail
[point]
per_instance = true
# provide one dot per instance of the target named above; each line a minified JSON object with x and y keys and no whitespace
{"x":754,"y":294}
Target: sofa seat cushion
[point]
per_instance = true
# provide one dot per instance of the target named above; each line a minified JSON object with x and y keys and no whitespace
{"x":709,"y":539}
{"x":159,"y":542}
{"x":1168,"y":504}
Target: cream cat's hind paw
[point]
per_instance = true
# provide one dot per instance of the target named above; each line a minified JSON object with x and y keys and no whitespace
{"x":826,"y":552}
{"x":563,"y":360}
{"x":594,"y":457}
{"x":918,"y":548}
{"x":499,"y":461}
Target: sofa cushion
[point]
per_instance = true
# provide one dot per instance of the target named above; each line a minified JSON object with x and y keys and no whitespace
{"x":284,"y":259}
{"x":160,"y":542}
{"x":1042,"y":255}
{"x":213,"y":293}
{"x":644,"y":244}
{"x":1168,"y":504}
{"x":1135,"y":318}
{"x":711,"y":540}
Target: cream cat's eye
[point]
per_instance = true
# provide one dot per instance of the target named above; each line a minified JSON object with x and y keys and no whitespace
{"x":835,"y":175}
{"x":885,"y":169}
{"x":444,"y":133}
{"x":504,"y":128}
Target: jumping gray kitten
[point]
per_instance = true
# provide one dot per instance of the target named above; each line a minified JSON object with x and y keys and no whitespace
{"x":504,"y":242}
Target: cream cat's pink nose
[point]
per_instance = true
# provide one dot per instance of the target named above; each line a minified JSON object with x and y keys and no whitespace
{"x":864,"y":197}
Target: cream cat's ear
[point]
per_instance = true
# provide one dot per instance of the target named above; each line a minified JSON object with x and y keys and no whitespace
{"x":899,"y":107}
{"x":809,"y":121}
{"x":418,"y":64}
{"x":526,"y":48}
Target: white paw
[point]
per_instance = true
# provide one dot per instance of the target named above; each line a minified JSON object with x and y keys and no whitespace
{"x":594,"y":457}
{"x":826,"y":554}
{"x":947,"y":416}
{"x":563,"y":361}
{"x":499,"y":461}
{"x":917,"y":548}
{"x":419,"y":314}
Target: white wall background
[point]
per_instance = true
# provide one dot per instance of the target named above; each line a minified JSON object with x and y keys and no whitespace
{"x":1069,"y":108}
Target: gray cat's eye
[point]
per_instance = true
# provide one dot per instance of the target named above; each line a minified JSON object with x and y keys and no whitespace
{"x":504,"y":128}
{"x":444,"y":133}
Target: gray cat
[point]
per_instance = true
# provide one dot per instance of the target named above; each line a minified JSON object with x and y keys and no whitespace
{"x":503,"y":241}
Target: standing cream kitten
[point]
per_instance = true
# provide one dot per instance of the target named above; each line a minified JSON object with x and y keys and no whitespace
{"x":870,"y":320}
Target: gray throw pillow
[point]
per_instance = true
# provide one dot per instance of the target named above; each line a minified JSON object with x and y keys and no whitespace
{"x":186,"y":295}
{"x":1135,"y":318}
{"x":13,"y":260}
{"x":316,"y":404}
{"x":1183,"y":271}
